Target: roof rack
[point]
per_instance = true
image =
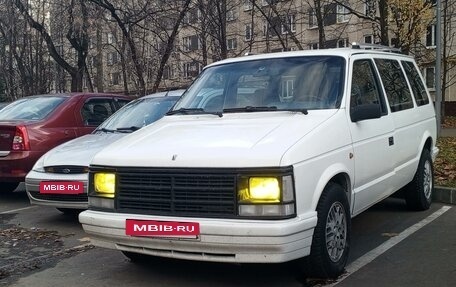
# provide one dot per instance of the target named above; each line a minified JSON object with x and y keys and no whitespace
{"x":376,"y":47}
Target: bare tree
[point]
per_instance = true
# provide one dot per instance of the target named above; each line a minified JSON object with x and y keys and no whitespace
{"x":24,"y":58}
{"x":76,"y":35}
{"x":170,"y":44}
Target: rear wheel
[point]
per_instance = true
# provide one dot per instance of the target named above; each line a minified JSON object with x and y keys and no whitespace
{"x":418,"y":193}
{"x":8,"y":186}
{"x":331,"y":239}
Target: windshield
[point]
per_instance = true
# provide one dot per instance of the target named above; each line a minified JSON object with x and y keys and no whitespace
{"x":31,"y":108}
{"x":138,"y":113}
{"x":294,"y":83}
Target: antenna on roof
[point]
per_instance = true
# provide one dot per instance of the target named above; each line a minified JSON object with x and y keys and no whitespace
{"x":376,"y":47}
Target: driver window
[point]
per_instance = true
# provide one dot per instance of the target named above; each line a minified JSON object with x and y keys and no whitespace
{"x":364,"y":88}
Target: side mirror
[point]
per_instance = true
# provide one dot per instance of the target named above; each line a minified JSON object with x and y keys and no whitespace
{"x":365,"y":112}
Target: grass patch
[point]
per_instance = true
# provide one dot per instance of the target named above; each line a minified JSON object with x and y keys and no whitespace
{"x":445,"y":164}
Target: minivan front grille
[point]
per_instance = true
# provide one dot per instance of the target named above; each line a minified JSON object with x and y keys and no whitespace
{"x":172,"y":193}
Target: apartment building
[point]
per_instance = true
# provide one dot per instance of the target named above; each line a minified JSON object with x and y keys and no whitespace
{"x":214,"y":30}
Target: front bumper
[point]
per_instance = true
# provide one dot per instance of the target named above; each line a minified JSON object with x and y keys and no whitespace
{"x":221,"y":240}
{"x":62,"y":200}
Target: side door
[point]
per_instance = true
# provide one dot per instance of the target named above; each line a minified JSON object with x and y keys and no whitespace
{"x":372,"y":135}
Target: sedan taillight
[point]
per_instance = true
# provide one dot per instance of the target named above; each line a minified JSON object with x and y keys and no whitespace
{"x":21,"y":141}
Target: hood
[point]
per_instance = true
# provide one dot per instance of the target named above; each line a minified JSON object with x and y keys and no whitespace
{"x":81,"y":150}
{"x":235,"y":140}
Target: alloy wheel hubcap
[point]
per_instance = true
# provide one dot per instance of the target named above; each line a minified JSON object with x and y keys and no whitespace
{"x":427,"y":180}
{"x":336,"y":231}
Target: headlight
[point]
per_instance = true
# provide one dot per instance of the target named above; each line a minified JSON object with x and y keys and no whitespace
{"x":261,"y":190}
{"x":104,"y":184}
{"x":271,"y":196}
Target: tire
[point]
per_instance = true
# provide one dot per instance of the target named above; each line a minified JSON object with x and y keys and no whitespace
{"x":418,"y":193}
{"x":8,"y":186}
{"x":328,"y":257}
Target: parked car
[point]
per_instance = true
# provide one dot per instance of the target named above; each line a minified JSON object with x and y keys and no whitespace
{"x":31,"y":126}
{"x":266,"y":158}
{"x":68,"y":163}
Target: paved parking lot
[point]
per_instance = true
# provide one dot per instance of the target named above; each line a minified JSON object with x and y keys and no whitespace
{"x":391,"y":246}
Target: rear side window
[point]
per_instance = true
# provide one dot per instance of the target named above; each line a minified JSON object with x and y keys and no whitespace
{"x":396,"y":88}
{"x":419,"y":91}
{"x":95,"y":111}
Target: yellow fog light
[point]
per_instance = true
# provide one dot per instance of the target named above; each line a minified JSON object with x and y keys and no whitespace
{"x":105,"y":184}
{"x":261,"y":190}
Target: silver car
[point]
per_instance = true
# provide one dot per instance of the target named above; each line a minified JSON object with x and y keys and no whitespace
{"x":59,"y":178}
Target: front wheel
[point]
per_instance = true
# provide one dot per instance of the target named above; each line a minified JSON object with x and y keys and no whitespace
{"x":331,"y":238}
{"x":418,"y":194}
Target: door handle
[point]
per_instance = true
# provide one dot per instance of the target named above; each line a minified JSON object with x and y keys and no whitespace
{"x":391,"y":141}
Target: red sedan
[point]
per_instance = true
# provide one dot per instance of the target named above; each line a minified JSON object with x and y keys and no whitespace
{"x":31,"y":126}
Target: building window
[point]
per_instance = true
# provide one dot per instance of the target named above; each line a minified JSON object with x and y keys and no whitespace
{"x":369,"y":8}
{"x":431,"y":38}
{"x":113,"y":58}
{"x":190,"y":43}
{"x":192,"y":69}
{"x":231,"y":44}
{"x":168,"y":72}
{"x":58,"y":49}
{"x":430,"y":77}
{"x":114,"y":79}
{"x":314,"y":46}
{"x":343,"y":15}
{"x":331,"y":14}
{"x":110,"y":38}
{"x":368,"y":39}
{"x":91,"y":43}
{"x":231,"y":15}
{"x":291,"y":22}
{"x":265,"y":28}
{"x":192,"y":16}
{"x":92,"y":61}
{"x":312,"y":18}
{"x":342,"y":43}
{"x":248,"y":32}
{"x":247,"y":5}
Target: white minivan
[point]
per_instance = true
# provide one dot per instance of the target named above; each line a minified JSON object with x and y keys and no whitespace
{"x":266,"y":159}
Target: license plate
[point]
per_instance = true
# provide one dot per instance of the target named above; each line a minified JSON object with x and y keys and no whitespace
{"x":61,"y":187}
{"x":171,"y":229}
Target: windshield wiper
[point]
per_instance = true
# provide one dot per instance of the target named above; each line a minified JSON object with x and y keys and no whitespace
{"x":250,"y":109}
{"x":105,"y":130}
{"x":193,"y":111}
{"x":263,"y":109}
{"x":128,"y":129}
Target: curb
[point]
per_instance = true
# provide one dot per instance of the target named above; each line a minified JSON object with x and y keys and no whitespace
{"x":444,"y":195}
